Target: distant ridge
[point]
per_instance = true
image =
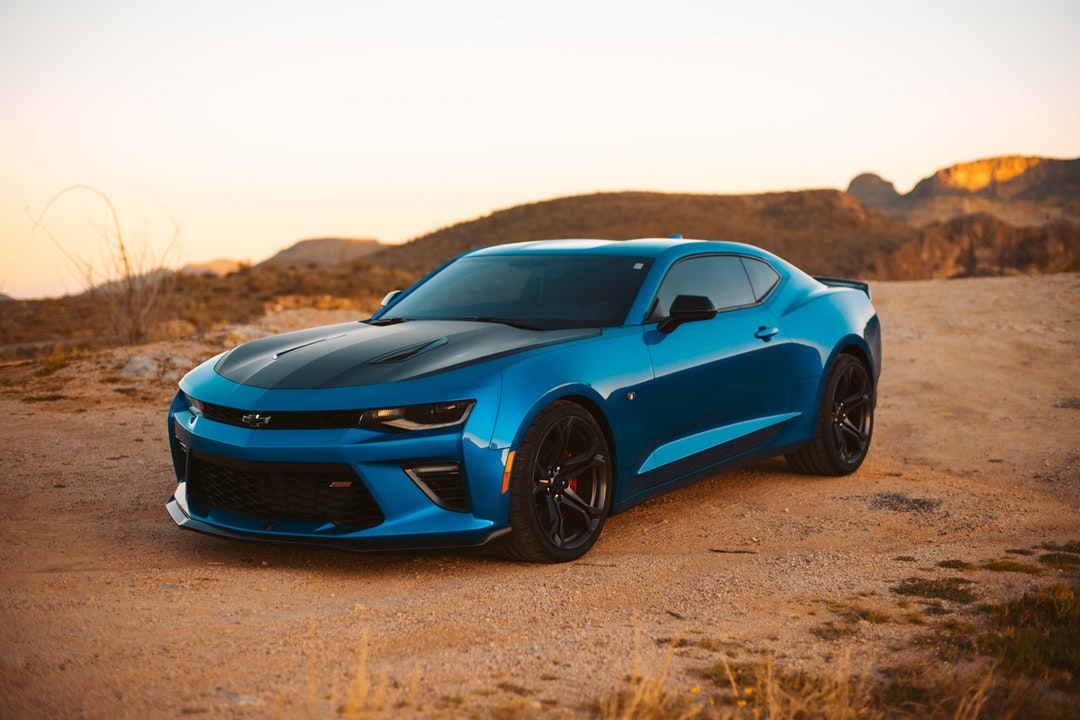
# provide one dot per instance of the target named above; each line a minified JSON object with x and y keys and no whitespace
{"x":216,"y":268}
{"x":1019,"y":189}
{"x":1012,"y":214}
{"x":823,"y":231}
{"x":323,"y":252}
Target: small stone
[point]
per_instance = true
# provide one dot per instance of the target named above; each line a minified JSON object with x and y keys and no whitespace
{"x":139,"y":367}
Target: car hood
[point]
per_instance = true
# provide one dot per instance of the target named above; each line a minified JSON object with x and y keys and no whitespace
{"x":361,"y":354}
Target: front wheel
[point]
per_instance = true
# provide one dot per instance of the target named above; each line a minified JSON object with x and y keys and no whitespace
{"x":845,"y":422}
{"x":560,"y":486}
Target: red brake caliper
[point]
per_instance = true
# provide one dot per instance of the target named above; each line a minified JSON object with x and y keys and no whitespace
{"x":573,"y":481}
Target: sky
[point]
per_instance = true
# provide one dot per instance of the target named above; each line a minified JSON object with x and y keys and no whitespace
{"x":248,"y":126}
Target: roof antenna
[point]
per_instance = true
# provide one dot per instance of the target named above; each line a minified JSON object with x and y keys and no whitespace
{"x":676,"y":236}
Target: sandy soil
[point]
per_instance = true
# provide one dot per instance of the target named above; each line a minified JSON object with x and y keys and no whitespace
{"x":107,"y":610}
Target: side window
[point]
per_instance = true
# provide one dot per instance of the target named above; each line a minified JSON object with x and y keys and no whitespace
{"x":762,"y":277}
{"x":721,"y":278}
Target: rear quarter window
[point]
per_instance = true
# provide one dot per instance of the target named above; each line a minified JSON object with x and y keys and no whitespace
{"x":763,"y":278}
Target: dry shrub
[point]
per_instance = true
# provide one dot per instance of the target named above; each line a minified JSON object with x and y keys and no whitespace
{"x":130,"y":287}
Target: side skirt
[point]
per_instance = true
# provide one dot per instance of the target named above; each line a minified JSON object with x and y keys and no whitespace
{"x":724,"y":458}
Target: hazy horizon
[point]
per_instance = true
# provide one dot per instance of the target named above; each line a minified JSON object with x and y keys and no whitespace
{"x":256,"y":126}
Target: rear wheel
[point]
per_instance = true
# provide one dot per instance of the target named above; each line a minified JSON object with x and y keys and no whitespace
{"x":845,"y":422}
{"x":560,"y":491}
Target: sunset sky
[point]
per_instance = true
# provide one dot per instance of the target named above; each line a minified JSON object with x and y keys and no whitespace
{"x":256,"y":124}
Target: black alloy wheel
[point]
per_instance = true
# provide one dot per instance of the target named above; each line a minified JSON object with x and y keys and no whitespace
{"x":845,"y":422}
{"x":561,"y":486}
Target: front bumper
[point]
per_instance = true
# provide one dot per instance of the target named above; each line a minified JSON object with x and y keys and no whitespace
{"x":350,"y":488}
{"x":178,"y":509}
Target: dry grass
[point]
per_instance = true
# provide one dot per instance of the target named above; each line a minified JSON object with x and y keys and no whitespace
{"x":368,"y":693}
{"x":953,"y":589}
{"x":1013,"y":659}
{"x":643,"y":697}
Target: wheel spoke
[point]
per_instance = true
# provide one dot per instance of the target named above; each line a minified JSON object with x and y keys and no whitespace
{"x":847,"y":381}
{"x":553,"y":448}
{"x":555,"y":532}
{"x":586,"y":460}
{"x":574,"y":503}
{"x":856,"y":400}
{"x":853,"y":430}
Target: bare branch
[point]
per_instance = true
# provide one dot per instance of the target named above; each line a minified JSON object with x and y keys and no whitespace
{"x":133,"y":285}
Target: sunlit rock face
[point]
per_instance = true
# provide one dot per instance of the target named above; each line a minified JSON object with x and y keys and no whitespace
{"x":993,"y":216}
{"x":1020,"y":190}
{"x":977,"y":176}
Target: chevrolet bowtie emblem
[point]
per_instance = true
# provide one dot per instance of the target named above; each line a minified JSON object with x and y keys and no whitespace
{"x":255,"y":420}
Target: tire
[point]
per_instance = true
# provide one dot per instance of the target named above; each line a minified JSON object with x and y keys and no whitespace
{"x":845,"y":422}
{"x":560,"y":486}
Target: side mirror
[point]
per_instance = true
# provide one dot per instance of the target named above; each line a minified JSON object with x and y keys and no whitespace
{"x":389,"y":297}
{"x":687,"y":308}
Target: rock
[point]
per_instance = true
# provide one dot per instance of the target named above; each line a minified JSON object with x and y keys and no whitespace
{"x":139,"y":367}
{"x":874,"y":191}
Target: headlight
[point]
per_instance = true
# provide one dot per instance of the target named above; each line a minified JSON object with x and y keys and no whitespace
{"x":418,"y":417}
{"x":195,"y":407}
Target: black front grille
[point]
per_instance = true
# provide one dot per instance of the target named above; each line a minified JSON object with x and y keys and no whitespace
{"x":315,"y":492}
{"x":278,"y":419}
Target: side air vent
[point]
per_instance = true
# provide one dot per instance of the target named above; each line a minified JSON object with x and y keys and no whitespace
{"x":181,"y":452}
{"x":443,"y":483}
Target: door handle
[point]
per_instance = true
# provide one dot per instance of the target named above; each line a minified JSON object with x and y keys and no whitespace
{"x":766,"y":333}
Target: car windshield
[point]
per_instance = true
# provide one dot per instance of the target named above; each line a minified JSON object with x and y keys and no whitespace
{"x":536,"y":291}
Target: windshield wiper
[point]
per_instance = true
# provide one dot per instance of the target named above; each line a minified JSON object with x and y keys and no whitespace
{"x":503,"y":321}
{"x":387,"y":321}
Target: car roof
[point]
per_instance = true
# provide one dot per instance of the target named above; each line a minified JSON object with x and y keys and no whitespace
{"x":640,"y":247}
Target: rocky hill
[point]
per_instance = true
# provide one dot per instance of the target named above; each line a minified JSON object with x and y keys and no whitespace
{"x":824,"y":231}
{"x":857,"y":234}
{"x":1021,"y":190}
{"x":982,"y":245}
{"x":323,"y":252}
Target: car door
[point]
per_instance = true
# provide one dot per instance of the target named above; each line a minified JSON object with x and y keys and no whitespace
{"x":720,"y":385}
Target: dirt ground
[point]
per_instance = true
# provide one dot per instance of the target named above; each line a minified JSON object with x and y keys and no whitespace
{"x":107,"y":610}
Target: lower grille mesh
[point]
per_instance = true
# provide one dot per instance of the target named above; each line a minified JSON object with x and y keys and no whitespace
{"x":313,"y":492}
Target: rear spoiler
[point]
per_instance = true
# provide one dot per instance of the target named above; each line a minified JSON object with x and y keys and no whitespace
{"x":844,"y":283}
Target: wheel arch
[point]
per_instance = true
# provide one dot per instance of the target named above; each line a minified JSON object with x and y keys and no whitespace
{"x":587,"y":402}
{"x":857,"y":348}
{"x":860,"y":354}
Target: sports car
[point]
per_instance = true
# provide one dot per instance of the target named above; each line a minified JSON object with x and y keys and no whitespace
{"x":520,"y":394}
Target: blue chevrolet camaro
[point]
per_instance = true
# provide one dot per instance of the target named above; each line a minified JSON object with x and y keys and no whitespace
{"x":521,"y":394}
